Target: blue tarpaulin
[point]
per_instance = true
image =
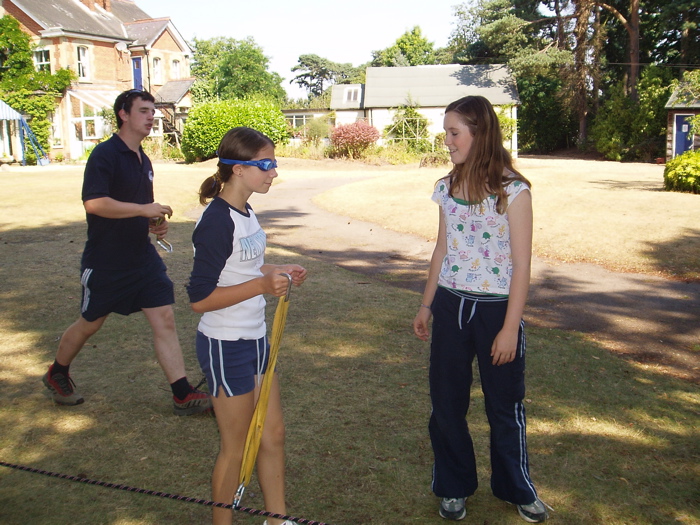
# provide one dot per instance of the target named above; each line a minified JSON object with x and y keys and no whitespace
{"x":7,"y":113}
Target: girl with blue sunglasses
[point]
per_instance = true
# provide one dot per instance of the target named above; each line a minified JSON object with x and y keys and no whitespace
{"x":228,"y":280}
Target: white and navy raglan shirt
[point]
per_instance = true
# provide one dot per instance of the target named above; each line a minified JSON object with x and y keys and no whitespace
{"x":229,"y":249}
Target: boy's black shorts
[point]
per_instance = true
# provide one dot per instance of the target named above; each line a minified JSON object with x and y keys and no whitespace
{"x":126,"y":291}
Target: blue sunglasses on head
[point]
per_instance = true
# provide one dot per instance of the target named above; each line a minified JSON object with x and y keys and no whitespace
{"x":264,"y":164}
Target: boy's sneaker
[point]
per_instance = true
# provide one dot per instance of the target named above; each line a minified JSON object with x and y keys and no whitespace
{"x":196,"y":402}
{"x":284,"y":523}
{"x":535,"y":512}
{"x":453,"y":508}
{"x":62,"y":388}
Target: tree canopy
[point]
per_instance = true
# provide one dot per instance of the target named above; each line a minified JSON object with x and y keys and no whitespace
{"x":572,"y":56}
{"x":410,"y":49}
{"x":17,"y":70}
{"x":227,"y":69}
{"x":315,"y":74}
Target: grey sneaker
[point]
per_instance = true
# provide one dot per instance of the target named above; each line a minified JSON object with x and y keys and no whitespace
{"x":62,"y":388}
{"x":535,"y":512}
{"x":453,"y":508}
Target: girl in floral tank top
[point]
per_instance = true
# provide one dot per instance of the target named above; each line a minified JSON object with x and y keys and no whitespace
{"x":476,"y":292}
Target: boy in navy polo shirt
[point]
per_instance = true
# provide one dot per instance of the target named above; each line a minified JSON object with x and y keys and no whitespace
{"x":120,"y":269}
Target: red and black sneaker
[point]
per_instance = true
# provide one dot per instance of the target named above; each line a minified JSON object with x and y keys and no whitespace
{"x":196,"y":402}
{"x":62,"y":388}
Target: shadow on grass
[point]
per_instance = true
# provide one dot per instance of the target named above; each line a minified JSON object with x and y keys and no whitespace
{"x":647,"y":318}
{"x":627,"y":185}
{"x":684,"y":248}
{"x":610,"y":442}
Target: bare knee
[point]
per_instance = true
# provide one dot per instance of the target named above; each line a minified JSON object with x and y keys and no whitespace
{"x":168,"y":319}
{"x":273,"y":437}
{"x":83,"y":328}
{"x":162,"y":319}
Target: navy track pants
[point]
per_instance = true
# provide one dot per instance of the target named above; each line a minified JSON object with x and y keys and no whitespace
{"x":462,"y":330}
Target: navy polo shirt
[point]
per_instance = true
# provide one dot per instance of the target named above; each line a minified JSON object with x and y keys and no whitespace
{"x":113,"y":170}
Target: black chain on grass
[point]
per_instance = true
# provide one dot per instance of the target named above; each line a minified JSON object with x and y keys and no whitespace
{"x":208,"y":503}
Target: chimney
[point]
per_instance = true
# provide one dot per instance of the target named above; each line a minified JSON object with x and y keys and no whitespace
{"x":105,"y":4}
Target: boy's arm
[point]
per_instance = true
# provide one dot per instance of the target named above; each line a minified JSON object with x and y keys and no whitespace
{"x":110,"y":208}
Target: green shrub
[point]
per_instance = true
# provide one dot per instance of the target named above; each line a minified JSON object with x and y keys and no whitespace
{"x":439,"y":157}
{"x":301,"y":151}
{"x":30,"y":92}
{"x":623,"y":130}
{"x":351,"y":140}
{"x":157,"y":148}
{"x":392,"y":153}
{"x":410,"y":127}
{"x":545,"y":122}
{"x":208,"y":122}
{"x":683,"y":173}
{"x":507,"y":123}
{"x":439,"y":141}
{"x":317,"y":129}
{"x":87,"y":151}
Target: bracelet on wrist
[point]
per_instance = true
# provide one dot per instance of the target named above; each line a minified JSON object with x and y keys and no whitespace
{"x":426,"y":306}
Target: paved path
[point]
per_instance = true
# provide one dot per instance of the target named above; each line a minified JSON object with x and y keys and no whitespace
{"x":649,"y":319}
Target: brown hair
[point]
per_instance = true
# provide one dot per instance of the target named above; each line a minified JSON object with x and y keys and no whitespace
{"x":125,"y":101}
{"x":237,"y":144}
{"x":488,"y":168}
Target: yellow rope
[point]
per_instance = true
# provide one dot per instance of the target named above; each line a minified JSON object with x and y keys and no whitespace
{"x":255,"y":430}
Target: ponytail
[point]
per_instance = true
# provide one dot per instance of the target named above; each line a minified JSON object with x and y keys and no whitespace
{"x":210,"y":188}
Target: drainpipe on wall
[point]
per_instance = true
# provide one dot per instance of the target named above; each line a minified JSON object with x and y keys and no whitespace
{"x":146,"y":49}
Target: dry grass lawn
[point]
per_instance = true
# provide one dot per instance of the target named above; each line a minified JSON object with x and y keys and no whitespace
{"x":610,"y":442}
{"x":613,"y":214}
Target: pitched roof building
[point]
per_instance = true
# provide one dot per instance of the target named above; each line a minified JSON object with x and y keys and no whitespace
{"x":429,"y":88}
{"x":683,"y":105}
{"x":111,"y":45}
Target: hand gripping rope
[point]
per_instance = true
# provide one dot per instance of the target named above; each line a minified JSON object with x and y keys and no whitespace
{"x":255,"y":430}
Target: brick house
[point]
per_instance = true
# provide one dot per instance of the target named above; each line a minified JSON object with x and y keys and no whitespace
{"x":111,"y":45}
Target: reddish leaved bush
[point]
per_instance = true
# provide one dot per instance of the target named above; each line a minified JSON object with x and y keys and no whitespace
{"x":351,"y":140}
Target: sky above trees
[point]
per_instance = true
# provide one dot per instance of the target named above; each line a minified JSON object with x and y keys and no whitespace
{"x":343,"y":32}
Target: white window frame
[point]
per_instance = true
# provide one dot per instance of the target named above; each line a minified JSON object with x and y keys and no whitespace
{"x":42,"y":60}
{"x":175,"y":72}
{"x":297,"y":120}
{"x":157,"y":128}
{"x":157,"y":70}
{"x":352,"y":94}
{"x":57,"y":129}
{"x":91,"y":115}
{"x":83,"y":63}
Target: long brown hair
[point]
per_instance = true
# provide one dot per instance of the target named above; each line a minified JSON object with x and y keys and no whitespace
{"x":237,"y":144}
{"x":488,"y":168}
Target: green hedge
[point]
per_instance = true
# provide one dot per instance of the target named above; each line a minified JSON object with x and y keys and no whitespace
{"x":208,"y":122}
{"x":683,"y":173}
